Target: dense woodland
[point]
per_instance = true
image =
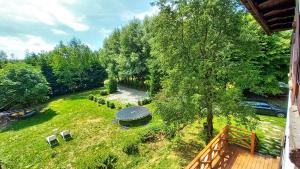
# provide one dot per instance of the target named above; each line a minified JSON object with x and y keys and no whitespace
{"x":188,"y":57}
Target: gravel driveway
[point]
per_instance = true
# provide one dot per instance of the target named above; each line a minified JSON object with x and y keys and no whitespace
{"x":128,"y":95}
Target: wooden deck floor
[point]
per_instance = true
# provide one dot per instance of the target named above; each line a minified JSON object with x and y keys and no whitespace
{"x":239,"y":158}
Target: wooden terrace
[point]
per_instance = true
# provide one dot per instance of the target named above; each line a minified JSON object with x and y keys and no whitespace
{"x":230,"y":150}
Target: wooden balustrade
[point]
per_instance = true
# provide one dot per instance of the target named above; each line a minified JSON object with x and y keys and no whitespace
{"x":217,"y":146}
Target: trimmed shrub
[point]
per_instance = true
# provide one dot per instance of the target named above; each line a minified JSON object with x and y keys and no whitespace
{"x":129,"y":105}
{"x":103,"y":92}
{"x":112,"y":105}
{"x":107,"y":161}
{"x":146,"y":101}
{"x":111,"y":85}
{"x":108,"y":103}
{"x":119,"y":107}
{"x":91,"y":97}
{"x":95,"y":99}
{"x":101,"y":101}
{"x":140,"y":103}
{"x":131,"y":148}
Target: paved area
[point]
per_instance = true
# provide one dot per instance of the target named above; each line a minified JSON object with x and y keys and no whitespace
{"x":128,"y":95}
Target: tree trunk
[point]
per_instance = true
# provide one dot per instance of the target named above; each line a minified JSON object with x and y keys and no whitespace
{"x":209,"y":121}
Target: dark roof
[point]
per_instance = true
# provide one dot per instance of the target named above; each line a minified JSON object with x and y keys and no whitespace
{"x":272,"y":15}
{"x":132,"y":113}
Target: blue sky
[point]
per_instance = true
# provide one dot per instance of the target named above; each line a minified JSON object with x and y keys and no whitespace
{"x":36,"y":25}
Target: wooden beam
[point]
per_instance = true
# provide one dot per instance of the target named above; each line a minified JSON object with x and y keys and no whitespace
{"x":273,"y":3}
{"x":279,"y":11}
{"x":278,"y":25}
{"x":258,"y":16}
{"x":281,"y":19}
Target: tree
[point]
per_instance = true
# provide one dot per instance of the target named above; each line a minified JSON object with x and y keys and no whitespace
{"x":22,"y":86}
{"x":272,"y":61}
{"x":3,"y":58}
{"x":125,"y":53}
{"x":69,"y":67}
{"x":205,"y":52}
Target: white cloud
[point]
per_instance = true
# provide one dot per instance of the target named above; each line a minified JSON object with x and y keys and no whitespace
{"x":18,"y":46}
{"x":153,"y":11}
{"x":49,"y":12}
{"x":105,"y":32}
{"x":59,"y":32}
{"x":128,"y":15}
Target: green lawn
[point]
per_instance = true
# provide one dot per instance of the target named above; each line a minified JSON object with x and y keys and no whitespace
{"x":23,"y":144}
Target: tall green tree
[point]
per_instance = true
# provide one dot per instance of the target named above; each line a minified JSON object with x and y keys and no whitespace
{"x":198,"y":44}
{"x":272,"y":61}
{"x":22,"y":86}
{"x":69,"y":67}
{"x":125,"y":53}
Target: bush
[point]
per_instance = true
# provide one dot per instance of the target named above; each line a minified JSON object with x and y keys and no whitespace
{"x":108,"y":103}
{"x":101,"y":101}
{"x":131,"y":148}
{"x":103,"y":92}
{"x":91,"y":97}
{"x":105,"y":161}
{"x":170,"y":132}
{"x":112,"y":105}
{"x":151,"y":135}
{"x":111,"y":85}
{"x":95,"y":99}
{"x":129,"y":105}
{"x":119,"y":107}
{"x":146,"y":101}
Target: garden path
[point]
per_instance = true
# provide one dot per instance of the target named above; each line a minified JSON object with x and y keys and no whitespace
{"x":128,"y":95}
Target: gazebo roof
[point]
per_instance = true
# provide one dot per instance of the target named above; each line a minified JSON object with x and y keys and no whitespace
{"x":272,"y":15}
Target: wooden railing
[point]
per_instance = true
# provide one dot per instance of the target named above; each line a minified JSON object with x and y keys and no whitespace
{"x":217,"y":146}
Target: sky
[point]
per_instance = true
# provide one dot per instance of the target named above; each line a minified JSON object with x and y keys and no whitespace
{"x":39,"y":25}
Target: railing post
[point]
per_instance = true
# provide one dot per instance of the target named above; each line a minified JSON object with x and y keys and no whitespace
{"x":252,"y":148}
{"x":210,"y":157}
{"x":226,"y":135}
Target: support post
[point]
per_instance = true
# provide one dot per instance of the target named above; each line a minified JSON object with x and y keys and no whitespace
{"x":226,"y":135}
{"x":252,"y":148}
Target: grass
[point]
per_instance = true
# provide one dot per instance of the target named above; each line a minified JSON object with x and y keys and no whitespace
{"x":23,"y":144}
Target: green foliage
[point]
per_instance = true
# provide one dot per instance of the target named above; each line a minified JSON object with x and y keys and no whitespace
{"x":170,"y":131}
{"x":200,"y":53}
{"x":69,"y":67}
{"x":91,"y":97}
{"x":111,"y":85}
{"x":96,"y":99}
{"x":106,"y":161}
{"x":125,"y":53}
{"x":112,"y":105}
{"x":3,"y":59}
{"x":144,"y":101}
{"x":101,"y":101}
{"x":131,"y":148}
{"x":103,"y":92}
{"x":273,"y":58}
{"x":22,"y":86}
{"x":151,"y":135}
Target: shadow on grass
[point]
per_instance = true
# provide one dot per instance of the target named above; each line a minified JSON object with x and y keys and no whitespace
{"x":187,"y":150}
{"x":38,"y":118}
{"x":80,"y":95}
